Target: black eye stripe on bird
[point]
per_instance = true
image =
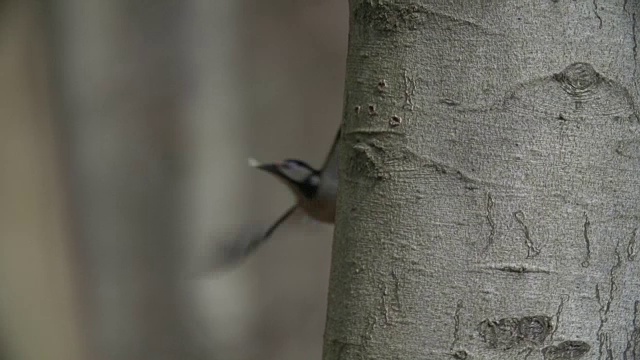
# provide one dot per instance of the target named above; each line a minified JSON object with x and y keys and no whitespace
{"x":315,"y":192}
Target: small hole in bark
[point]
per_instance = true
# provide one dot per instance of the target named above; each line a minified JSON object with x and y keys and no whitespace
{"x":395,"y":120}
{"x":372,"y":110}
{"x":461,"y":355}
{"x":357,"y":109}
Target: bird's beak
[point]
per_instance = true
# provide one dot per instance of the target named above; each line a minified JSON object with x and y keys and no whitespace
{"x":270,"y":168}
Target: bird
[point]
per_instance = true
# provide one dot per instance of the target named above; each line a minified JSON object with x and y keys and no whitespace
{"x":315,"y":192}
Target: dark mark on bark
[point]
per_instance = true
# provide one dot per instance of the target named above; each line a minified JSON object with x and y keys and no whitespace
{"x":357,"y":109}
{"x":566,"y":350}
{"x":612,"y":273}
{"x":631,"y":248}
{"x":629,"y":148}
{"x":382,"y":86}
{"x":395,"y":121}
{"x":605,"y":352}
{"x":508,"y":333}
{"x":595,"y":11}
{"x":556,"y":325}
{"x":456,"y":325}
{"x":396,"y":290}
{"x":460,"y":355}
{"x":602,"y":311}
{"x":393,"y":18}
{"x":585,"y":235}
{"x":518,"y":269}
{"x":409,"y":91}
{"x":449,"y":102}
{"x":492,"y":224}
{"x":532,"y":251}
{"x":635,"y":43}
{"x":372,"y":110}
{"x":605,"y":306}
{"x":632,"y":351}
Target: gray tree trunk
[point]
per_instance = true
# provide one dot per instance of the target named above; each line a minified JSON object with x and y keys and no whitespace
{"x":489,"y":191}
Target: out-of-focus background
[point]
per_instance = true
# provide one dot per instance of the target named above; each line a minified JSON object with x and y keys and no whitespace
{"x":125,"y":126}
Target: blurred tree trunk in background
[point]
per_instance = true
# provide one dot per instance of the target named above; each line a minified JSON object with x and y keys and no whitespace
{"x":216,"y":182}
{"x":39,"y":317}
{"x":155,"y":102}
{"x":121,"y":69}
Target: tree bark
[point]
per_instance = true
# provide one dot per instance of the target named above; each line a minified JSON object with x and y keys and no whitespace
{"x":488,"y":204}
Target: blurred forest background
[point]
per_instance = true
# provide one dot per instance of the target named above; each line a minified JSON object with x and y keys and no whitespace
{"x":125,"y":126}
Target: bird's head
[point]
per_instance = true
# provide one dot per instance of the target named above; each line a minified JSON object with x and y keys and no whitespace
{"x":298,"y":175}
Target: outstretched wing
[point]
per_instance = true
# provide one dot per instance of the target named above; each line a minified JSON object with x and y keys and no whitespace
{"x":271,"y":229}
{"x":238,"y":248}
{"x":330,"y":167}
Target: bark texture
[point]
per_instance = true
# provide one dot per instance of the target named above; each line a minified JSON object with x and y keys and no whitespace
{"x":489,"y":192}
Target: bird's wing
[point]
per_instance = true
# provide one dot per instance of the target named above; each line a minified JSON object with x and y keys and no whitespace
{"x":273,"y":227}
{"x":330,"y":167}
{"x":236,"y":249}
